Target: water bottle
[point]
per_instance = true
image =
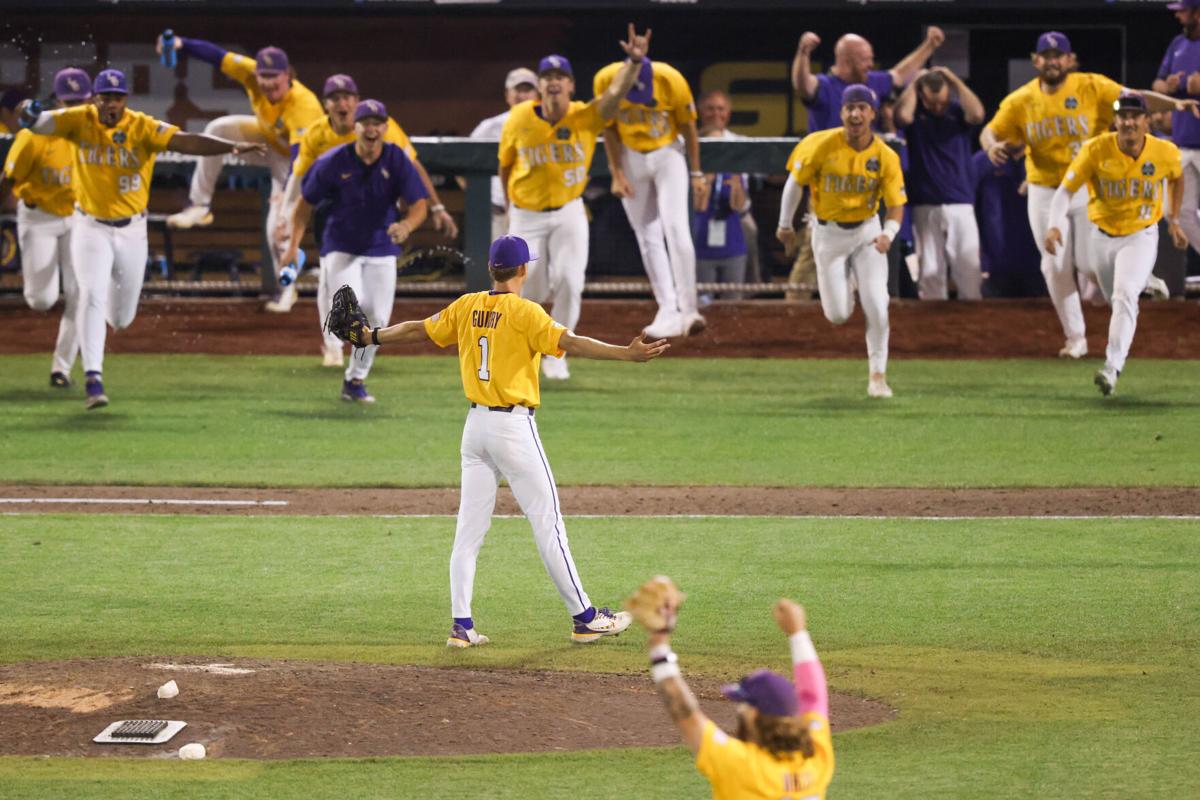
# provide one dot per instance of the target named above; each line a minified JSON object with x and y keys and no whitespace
{"x":289,"y":273}
{"x":168,"y":48}
{"x":33,"y":110}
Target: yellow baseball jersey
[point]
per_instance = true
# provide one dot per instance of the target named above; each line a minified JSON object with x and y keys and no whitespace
{"x":549,"y":162}
{"x":1054,"y":126}
{"x":112,"y":165}
{"x":4,"y":128}
{"x":501,"y":340}
{"x":321,"y":138}
{"x":284,"y":122}
{"x":847,"y":184}
{"x":645,"y":128}
{"x":40,"y":169}
{"x":1126,"y":194}
{"x":739,"y":770}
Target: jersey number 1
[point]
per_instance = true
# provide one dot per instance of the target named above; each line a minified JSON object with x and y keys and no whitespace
{"x":484,"y":373}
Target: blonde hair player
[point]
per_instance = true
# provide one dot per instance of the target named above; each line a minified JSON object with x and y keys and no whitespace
{"x":1050,"y":118}
{"x":651,"y":176}
{"x":546,"y":148}
{"x":38,"y":169}
{"x":850,"y":170}
{"x":1125,"y":173}
{"x":115,"y":148}
{"x":501,"y":337}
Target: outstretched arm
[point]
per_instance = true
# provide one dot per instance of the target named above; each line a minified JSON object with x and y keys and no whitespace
{"x":1156,"y":102}
{"x":409,"y":332}
{"x":812,"y":692}
{"x":910,"y":65}
{"x":201,"y":144}
{"x":637,"y":350}
{"x":676,"y":696}
{"x":636,"y":48}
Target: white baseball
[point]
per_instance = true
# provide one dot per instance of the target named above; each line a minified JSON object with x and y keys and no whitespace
{"x":192,"y":752}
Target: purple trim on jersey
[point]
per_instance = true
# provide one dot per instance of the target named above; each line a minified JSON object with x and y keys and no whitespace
{"x":557,"y":516}
{"x":718,"y":208}
{"x":362,"y":198}
{"x":205,"y":51}
{"x":825,"y":109}
{"x":940,"y":157}
{"x":1183,"y":55}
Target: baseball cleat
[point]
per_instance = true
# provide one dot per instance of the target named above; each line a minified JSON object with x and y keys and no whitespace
{"x":283,"y":303}
{"x":1106,"y":380}
{"x":605,"y":623}
{"x":666,"y":325}
{"x":190,"y":217}
{"x":59,"y":380}
{"x":1074,"y":348}
{"x":1157,"y":288}
{"x":555,"y":369}
{"x":877,"y":387}
{"x":96,"y":398}
{"x":332,"y":356}
{"x":355,"y":391}
{"x":465,"y":637}
{"x":694,"y":324}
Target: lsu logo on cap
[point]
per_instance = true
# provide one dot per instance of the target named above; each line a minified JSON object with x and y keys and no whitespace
{"x":555,"y":62}
{"x":339,"y":82}
{"x":1071,"y":102}
{"x":1052,"y":41}
{"x":1148,"y":169}
{"x":113,"y":80}
{"x":371,"y":104}
{"x":266,"y":57}
{"x":872,"y":165}
{"x":74,"y":84}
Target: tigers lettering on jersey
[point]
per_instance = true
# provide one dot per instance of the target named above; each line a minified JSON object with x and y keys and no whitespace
{"x":548,"y":163}
{"x":1076,"y":127}
{"x":645,"y":127}
{"x":41,"y":172}
{"x":847,"y":184}
{"x":551,"y":153}
{"x":1125,"y":194}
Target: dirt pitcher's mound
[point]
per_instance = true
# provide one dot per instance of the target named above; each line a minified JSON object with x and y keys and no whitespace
{"x":297,"y":709}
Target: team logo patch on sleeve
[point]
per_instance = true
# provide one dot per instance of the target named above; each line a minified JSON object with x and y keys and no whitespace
{"x":872,"y":165}
{"x":1148,"y":169}
{"x":119,"y":137}
{"x":1071,"y":102}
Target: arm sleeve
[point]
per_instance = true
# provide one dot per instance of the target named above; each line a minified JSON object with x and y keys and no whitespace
{"x":411,"y":187}
{"x":793,"y":192}
{"x":20,"y":158}
{"x":1004,"y":125}
{"x":1175,"y":166}
{"x":205,"y":51}
{"x":544,"y":333}
{"x":894,"y":193}
{"x":158,"y":134}
{"x":719,"y":755}
{"x":507,"y":153}
{"x":1107,"y":90}
{"x":315,"y":185}
{"x":812,"y":693}
{"x":601,"y":81}
{"x":65,"y":122}
{"x":304,"y":159}
{"x":1080,"y":170}
{"x":685,"y":102}
{"x":1060,"y":204}
{"x":588,"y":118}
{"x":441,"y":327}
{"x":820,"y":98}
{"x":238,"y":67}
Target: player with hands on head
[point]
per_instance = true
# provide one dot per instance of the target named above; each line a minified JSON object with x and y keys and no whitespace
{"x":546,"y":148}
{"x":501,"y":337}
{"x":38,"y":170}
{"x":362,"y":181}
{"x":115,"y":149}
{"x":651,"y":175}
{"x":783,"y":745}
{"x":849,"y":170}
{"x":1126,"y":173}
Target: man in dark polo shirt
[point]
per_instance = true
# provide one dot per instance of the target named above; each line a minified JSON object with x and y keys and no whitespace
{"x":937,"y":125}
{"x":1179,"y":76}
{"x":363,"y":180}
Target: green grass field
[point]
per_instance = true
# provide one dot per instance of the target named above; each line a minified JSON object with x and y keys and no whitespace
{"x":1025,"y":657}
{"x":256,"y":421}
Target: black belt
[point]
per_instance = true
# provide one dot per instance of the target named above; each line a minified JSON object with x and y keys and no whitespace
{"x":113,"y":223}
{"x":1121,"y":235}
{"x":543,"y":210}
{"x":503,"y":409}
{"x":846,"y":226}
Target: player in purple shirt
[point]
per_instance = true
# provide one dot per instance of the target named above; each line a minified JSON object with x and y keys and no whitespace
{"x":1179,"y":76}
{"x":1008,"y":255}
{"x":363,"y":180}
{"x":938,"y":130}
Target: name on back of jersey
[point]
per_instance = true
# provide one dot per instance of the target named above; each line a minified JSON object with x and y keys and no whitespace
{"x":485,"y":319}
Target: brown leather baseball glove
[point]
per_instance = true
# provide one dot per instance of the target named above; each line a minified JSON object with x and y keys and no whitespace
{"x":656,"y":604}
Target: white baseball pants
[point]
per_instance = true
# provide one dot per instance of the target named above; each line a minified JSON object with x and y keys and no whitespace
{"x":658,"y":214}
{"x":1123,"y":264}
{"x":45,"y":241}
{"x":1059,"y":270}
{"x":839,"y":253}
{"x":110,"y":265}
{"x":947,"y":235}
{"x":373,"y":279}
{"x":243,"y":128}
{"x":494,"y":444}
{"x":1189,"y":210}
{"x":559,"y":240}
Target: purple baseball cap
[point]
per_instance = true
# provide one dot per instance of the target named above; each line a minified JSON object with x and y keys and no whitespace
{"x":370,"y":108}
{"x":508,"y":252}
{"x":1053,"y":40}
{"x":642,"y":90}
{"x":1130,"y":101}
{"x":1184,"y":5}
{"x":555,"y":62}
{"x":110,"y":81}
{"x":860,"y":93}
{"x":339,"y":83}
{"x":270,"y":61}
{"x":767,"y":691}
{"x":72,"y":84}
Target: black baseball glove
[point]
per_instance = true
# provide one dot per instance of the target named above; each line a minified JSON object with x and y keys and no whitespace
{"x":347,"y":321}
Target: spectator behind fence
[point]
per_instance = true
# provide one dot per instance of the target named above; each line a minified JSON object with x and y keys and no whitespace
{"x":903,"y":254}
{"x":937,"y":127}
{"x":717,"y":232}
{"x":519,"y":85}
{"x":715,"y":112}
{"x":1009,"y":258}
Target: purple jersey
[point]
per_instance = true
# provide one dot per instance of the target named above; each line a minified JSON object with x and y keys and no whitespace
{"x":940,"y":153}
{"x":1183,"y":55}
{"x":730,"y":242}
{"x":362,"y":198}
{"x":825,"y":109}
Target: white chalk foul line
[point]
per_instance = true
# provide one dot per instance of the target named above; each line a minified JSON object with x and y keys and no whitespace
{"x":134,"y":501}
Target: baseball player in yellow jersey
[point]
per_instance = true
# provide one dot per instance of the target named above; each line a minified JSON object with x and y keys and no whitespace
{"x":115,"y":148}
{"x":546,"y":147}
{"x":1126,"y":173}
{"x":39,"y":168}
{"x":283,"y":108}
{"x":650,"y":176}
{"x":783,"y":747}
{"x":337,"y":128}
{"x":849,"y":170}
{"x":1050,"y":118}
{"x":501,"y":337}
